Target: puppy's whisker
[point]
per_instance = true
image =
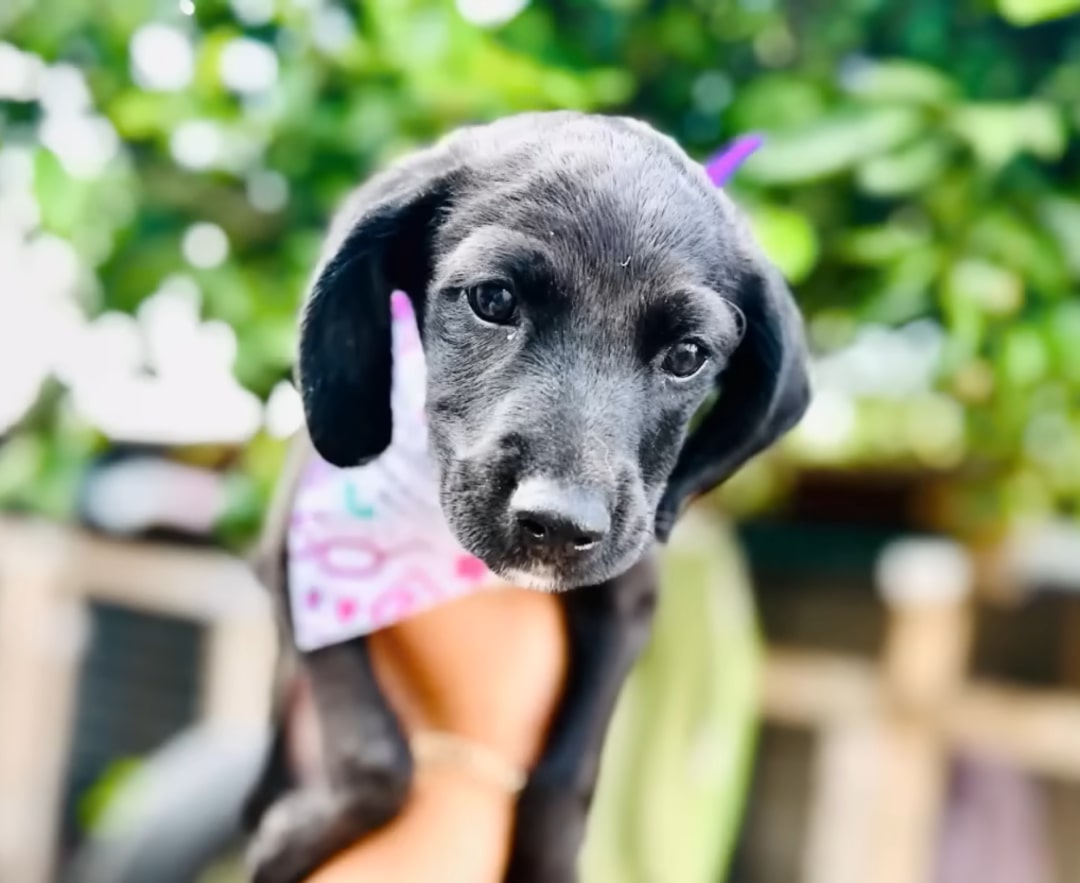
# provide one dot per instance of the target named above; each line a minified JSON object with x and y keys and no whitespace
{"x":596,"y":440}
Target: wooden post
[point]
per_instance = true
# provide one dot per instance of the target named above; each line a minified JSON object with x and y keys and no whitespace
{"x":846,"y":784}
{"x":927,"y":585}
{"x":882,"y":758}
{"x":239,"y":672}
{"x":40,"y":647}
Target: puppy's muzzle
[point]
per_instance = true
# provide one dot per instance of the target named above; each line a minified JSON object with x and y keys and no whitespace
{"x":551,"y":518}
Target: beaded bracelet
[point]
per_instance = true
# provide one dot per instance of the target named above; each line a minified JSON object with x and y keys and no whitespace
{"x":448,"y":749}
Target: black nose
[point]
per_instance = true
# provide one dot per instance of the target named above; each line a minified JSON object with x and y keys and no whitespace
{"x":559,"y":517}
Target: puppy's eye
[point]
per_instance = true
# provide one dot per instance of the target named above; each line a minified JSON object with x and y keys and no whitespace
{"x":493,"y":303}
{"x":684,"y":359}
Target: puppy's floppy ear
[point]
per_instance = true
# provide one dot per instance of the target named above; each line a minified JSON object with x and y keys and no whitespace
{"x":380,"y":242}
{"x":765,"y":391}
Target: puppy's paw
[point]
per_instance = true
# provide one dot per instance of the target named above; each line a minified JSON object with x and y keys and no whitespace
{"x":288,"y":844}
{"x":305,"y":829}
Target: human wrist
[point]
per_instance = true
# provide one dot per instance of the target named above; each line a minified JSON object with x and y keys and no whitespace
{"x":474,"y":822}
{"x":453,"y":829}
{"x":453,"y":788}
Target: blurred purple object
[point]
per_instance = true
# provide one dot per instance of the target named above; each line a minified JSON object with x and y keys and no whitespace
{"x":994,"y":828}
{"x":722,"y":166}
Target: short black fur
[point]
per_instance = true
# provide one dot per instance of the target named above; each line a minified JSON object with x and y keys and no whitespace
{"x":616,"y":247}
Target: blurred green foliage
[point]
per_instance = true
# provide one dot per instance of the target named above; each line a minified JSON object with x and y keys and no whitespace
{"x":921,"y":173}
{"x":677,"y":757}
{"x":921,"y":167}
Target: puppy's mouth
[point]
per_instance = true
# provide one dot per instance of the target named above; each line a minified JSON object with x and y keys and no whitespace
{"x":558,"y":573}
{"x":587,"y":536}
{"x":541,"y":577}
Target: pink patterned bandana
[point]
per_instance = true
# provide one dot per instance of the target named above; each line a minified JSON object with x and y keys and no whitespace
{"x":368,"y":546}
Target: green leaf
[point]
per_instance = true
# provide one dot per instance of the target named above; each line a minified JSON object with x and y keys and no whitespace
{"x":1024,"y":358}
{"x":899,"y":80}
{"x":140,"y":115}
{"x":778,"y":102}
{"x":1061,"y":217}
{"x":996,"y":290}
{"x":22,"y":458}
{"x":907,"y":288}
{"x":1011,"y":239}
{"x":905,"y":171}
{"x":1029,"y":12}
{"x":965,"y":321}
{"x":998,"y":133}
{"x":117,"y":778}
{"x":64,"y":200}
{"x":833,"y":145}
{"x":883,"y":244}
{"x":1062,"y":328}
{"x":788,"y":238}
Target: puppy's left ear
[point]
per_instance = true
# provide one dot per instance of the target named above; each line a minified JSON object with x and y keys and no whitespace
{"x":380,"y":242}
{"x":765,"y":391}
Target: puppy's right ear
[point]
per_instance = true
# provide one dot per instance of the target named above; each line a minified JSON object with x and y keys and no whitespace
{"x":381,"y":242}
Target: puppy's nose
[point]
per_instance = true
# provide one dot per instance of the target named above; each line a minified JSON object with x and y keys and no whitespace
{"x":559,"y":517}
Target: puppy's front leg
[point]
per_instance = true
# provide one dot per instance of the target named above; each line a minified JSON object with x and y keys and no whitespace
{"x":367,"y":766}
{"x":608,"y":626}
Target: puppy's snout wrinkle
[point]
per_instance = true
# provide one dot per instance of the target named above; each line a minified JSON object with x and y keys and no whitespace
{"x":559,"y":517}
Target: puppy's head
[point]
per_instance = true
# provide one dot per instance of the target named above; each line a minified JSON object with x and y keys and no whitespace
{"x":583,"y":291}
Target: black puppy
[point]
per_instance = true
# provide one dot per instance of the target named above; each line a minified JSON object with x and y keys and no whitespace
{"x":582,"y":290}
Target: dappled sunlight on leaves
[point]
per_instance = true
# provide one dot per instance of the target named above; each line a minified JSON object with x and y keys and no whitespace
{"x":918,"y":178}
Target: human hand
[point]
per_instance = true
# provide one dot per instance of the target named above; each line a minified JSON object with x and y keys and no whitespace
{"x":489,"y":668}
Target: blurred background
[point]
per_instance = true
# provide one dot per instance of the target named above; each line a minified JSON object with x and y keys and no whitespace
{"x":898,"y":669}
